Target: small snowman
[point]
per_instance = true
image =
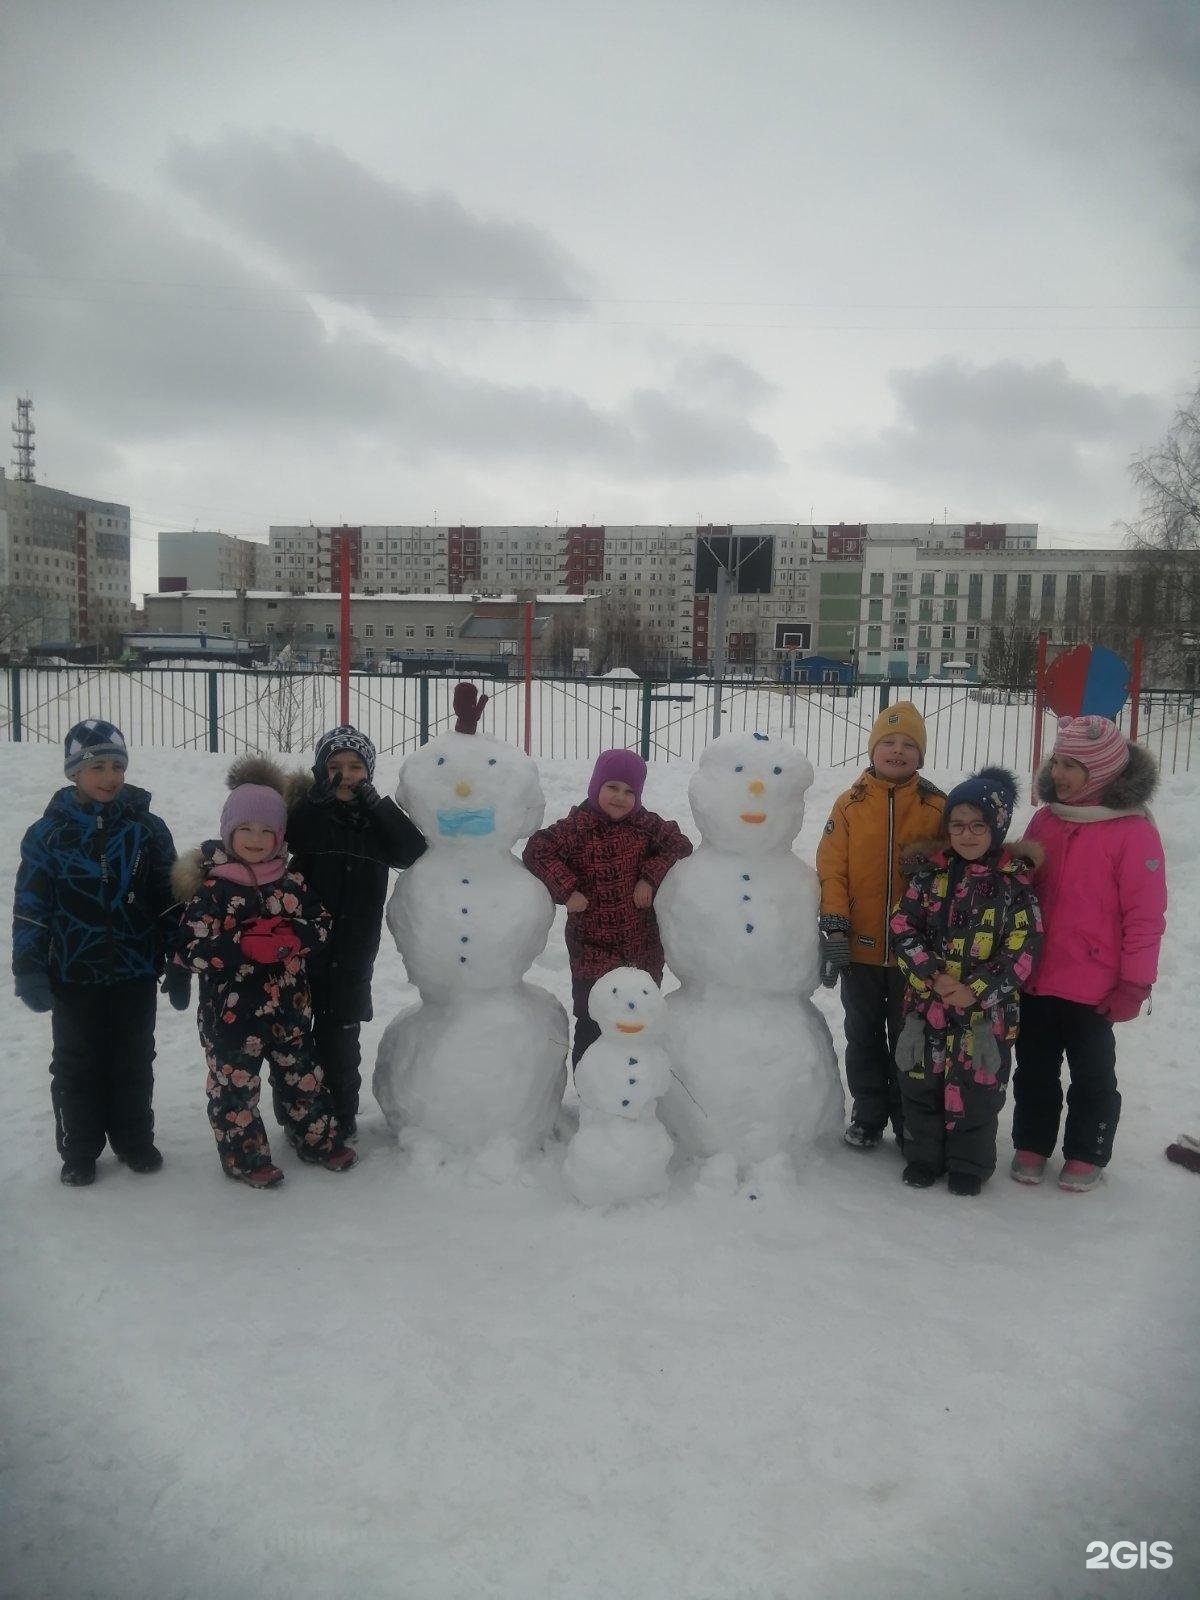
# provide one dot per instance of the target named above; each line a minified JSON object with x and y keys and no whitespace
{"x":754,"y":1071}
{"x":621,"y":1150}
{"x":480,"y":1060}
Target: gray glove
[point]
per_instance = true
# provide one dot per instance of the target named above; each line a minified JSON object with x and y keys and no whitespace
{"x":985,"y":1049}
{"x":910,"y":1046}
{"x":835,"y":949}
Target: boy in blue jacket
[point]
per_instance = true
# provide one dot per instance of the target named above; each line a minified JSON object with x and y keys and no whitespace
{"x":93,"y":884}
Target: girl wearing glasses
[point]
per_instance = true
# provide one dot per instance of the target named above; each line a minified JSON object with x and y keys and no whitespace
{"x":966,"y":932}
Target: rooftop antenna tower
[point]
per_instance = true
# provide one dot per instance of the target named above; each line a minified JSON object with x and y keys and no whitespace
{"x":23,"y":432}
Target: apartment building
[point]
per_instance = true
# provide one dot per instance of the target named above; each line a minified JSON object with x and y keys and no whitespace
{"x":206,"y":559}
{"x":65,"y":565}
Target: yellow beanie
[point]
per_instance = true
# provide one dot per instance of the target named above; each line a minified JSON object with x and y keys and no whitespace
{"x":903,"y":718}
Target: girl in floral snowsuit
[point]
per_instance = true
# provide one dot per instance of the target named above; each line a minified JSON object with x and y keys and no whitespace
{"x":248,"y":924}
{"x":967,"y":932}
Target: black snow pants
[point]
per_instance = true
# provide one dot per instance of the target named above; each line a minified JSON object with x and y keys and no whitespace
{"x":102,"y":1068}
{"x":1050,"y":1028}
{"x":586,"y":1030}
{"x":873,"y":998}
{"x":337,"y":1048}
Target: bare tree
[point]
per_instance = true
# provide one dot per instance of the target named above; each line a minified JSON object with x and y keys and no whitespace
{"x":1165,"y":535}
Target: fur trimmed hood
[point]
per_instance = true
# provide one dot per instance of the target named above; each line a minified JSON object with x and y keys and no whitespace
{"x":1020,"y":855}
{"x":1130,"y":790}
{"x":187,"y":874}
{"x":297,"y":786}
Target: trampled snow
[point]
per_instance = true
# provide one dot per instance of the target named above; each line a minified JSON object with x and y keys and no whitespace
{"x":441,"y":1382}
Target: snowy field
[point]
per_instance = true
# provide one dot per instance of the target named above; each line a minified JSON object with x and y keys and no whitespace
{"x":416,"y":1383}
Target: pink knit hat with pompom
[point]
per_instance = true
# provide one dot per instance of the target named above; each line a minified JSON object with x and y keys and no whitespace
{"x":1097,"y":744}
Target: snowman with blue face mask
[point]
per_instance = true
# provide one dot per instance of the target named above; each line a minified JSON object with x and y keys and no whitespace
{"x":480,"y":1060}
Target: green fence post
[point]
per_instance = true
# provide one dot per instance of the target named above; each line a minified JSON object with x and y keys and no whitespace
{"x":423,"y":708}
{"x":646,"y":688}
{"x":214,"y":743}
{"x":885,"y":694}
{"x":14,"y":679}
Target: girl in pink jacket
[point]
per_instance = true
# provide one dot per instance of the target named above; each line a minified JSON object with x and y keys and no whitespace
{"x":1103,"y":894}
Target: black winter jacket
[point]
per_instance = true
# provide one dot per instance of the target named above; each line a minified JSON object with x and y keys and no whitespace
{"x":344,"y":852}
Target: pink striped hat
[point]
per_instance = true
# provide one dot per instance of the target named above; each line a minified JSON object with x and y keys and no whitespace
{"x":1097,"y":744}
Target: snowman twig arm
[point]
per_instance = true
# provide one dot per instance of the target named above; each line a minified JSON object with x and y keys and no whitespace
{"x":668,"y":844}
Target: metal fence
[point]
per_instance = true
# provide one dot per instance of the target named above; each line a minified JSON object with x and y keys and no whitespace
{"x":231,"y":710}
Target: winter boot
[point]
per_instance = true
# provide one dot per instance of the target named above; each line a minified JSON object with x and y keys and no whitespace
{"x":1027,"y":1167}
{"x":860,"y":1138}
{"x":918,"y":1175}
{"x":340,"y":1159}
{"x":77,"y":1172}
{"x":964,"y":1183}
{"x":1078,"y":1177}
{"x":267,"y":1177}
{"x":146,"y":1158}
{"x":1185,"y":1152}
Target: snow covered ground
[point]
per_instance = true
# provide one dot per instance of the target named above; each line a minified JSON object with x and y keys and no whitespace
{"x":419,"y":1382}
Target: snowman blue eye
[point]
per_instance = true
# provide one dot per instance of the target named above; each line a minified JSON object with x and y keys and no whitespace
{"x":441,"y":761}
{"x":491,"y":761}
{"x":737,"y":769}
{"x":614,"y":989}
{"x":645,"y":991}
{"x":776,"y":770}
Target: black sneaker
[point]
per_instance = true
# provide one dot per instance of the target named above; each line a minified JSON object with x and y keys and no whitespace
{"x":146,"y":1158}
{"x":77,"y":1172}
{"x":964,"y":1183}
{"x":860,"y":1138}
{"x":919,"y":1176}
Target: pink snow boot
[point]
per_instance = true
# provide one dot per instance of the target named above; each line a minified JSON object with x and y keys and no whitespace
{"x":1027,"y":1167}
{"x":1078,"y":1177}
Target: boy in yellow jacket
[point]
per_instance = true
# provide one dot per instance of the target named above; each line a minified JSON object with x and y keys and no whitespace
{"x":858,"y":860}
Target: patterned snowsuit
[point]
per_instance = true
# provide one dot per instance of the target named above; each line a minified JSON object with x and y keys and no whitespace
{"x":603,"y":859}
{"x":979,"y":922}
{"x":253,"y":1014}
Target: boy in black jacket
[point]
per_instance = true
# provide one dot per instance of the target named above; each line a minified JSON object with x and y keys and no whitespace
{"x":93,"y":884}
{"x":344,"y":836}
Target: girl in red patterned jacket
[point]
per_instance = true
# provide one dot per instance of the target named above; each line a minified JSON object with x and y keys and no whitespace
{"x":605,"y":861}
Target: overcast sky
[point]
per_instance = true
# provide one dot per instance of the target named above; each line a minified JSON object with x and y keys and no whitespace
{"x":493,"y":263}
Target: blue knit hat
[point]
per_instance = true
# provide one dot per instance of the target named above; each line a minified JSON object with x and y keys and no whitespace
{"x":993,"y":790}
{"x":93,"y":740}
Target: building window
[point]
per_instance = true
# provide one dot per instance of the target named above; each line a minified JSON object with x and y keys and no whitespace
{"x":429,"y":630}
{"x":1048,"y":588}
{"x":877,"y":583}
{"x":1024,"y":594}
{"x":949,"y":610}
{"x":389,"y":631}
{"x":874,"y":638}
{"x":329,"y":630}
{"x":975,"y":594}
{"x":369,"y":630}
{"x":874,"y":610}
{"x":927,"y":583}
{"x":449,"y":633}
{"x":410,"y":631}
{"x":951,"y":586}
{"x":999,"y":596}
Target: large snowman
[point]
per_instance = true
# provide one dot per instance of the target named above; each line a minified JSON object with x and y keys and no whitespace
{"x":481,"y":1058}
{"x":755,"y":1074}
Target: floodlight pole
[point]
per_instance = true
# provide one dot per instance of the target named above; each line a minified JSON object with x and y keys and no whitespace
{"x":344,"y":661}
{"x":720,"y":615}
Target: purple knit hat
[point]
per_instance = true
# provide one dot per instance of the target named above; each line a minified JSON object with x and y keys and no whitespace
{"x":618,"y":766}
{"x":253,"y":802}
{"x":1097,"y":744}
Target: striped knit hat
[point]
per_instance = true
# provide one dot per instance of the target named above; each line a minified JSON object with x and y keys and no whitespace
{"x":343,"y":737}
{"x":93,"y":740}
{"x":1097,"y":744}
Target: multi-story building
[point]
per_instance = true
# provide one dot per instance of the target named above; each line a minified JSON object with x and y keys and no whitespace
{"x":920,"y":609}
{"x":206,"y":559}
{"x":307,"y":626}
{"x":65,"y":561}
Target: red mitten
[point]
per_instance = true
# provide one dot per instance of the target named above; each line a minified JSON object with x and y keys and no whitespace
{"x":1123,"y":1002}
{"x":269,"y":940}
{"x":468,"y":707}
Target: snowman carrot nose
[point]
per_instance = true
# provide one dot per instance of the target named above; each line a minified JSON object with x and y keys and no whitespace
{"x":462,"y":788}
{"x":756,"y":786}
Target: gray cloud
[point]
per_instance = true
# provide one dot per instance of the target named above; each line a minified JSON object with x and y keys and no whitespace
{"x":1023,"y":439}
{"x":175,"y":336}
{"x":335,"y":226}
